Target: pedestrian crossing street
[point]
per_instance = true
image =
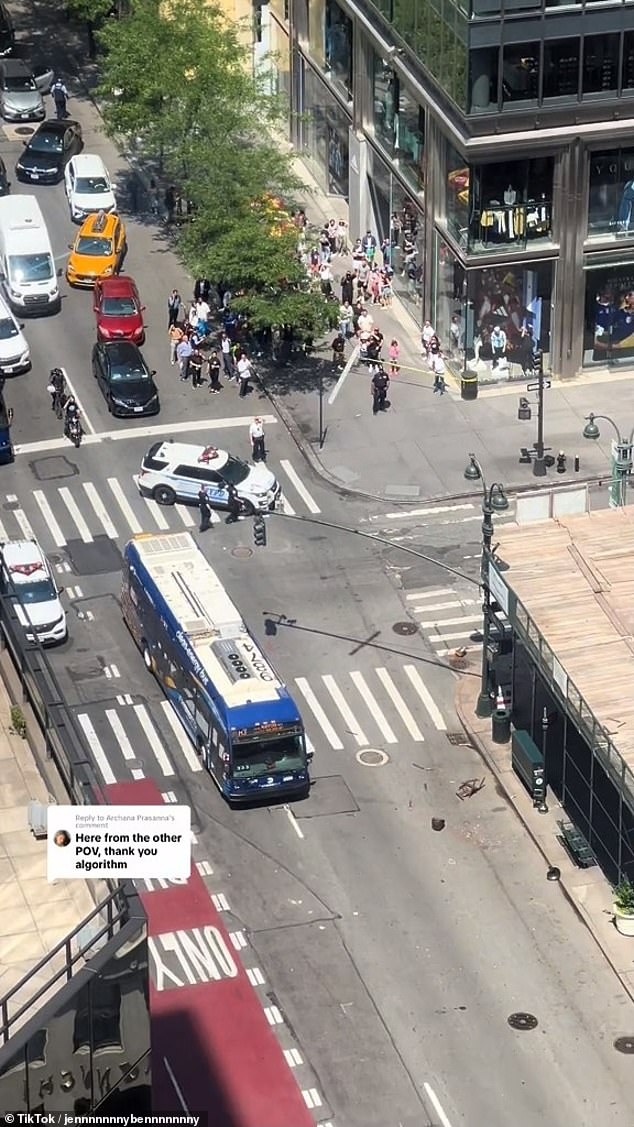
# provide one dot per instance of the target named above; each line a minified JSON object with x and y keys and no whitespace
{"x":130,"y":737}
{"x":114,"y":508}
{"x":450,"y":618}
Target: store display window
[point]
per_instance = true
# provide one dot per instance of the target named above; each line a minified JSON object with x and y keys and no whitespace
{"x":494,"y":206}
{"x":385,"y":95}
{"x":452,"y":318}
{"x":326,"y":130}
{"x":398,"y":220}
{"x":611,"y":193}
{"x":397,"y":120}
{"x":508,"y":315}
{"x":609,"y":315}
{"x":339,"y":46}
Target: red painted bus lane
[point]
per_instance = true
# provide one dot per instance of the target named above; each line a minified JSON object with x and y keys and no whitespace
{"x":213,"y":1050}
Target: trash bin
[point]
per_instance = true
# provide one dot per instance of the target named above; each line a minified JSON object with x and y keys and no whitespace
{"x":501,"y":726}
{"x":469,"y":386}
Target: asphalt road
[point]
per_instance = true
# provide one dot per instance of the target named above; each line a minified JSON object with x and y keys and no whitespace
{"x":394,"y":954}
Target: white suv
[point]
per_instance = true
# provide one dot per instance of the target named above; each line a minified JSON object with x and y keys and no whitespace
{"x":26,"y":573}
{"x":14,"y":351}
{"x":88,"y":187}
{"x":176,"y":471}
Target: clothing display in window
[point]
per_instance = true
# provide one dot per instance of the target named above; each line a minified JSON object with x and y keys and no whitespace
{"x":625,"y":212}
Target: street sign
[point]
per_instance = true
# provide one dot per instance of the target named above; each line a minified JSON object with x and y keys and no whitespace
{"x":535,"y":386}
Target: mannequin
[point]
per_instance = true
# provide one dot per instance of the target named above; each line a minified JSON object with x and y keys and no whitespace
{"x":510,"y":196}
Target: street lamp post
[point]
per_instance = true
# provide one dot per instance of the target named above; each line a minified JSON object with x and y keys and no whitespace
{"x":622,"y":462}
{"x":494,"y":500}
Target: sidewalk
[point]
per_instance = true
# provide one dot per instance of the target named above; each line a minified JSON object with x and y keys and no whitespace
{"x":417,"y":450}
{"x":587,"y":890}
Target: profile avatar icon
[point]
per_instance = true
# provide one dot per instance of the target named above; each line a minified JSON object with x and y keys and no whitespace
{"x":62,"y":838}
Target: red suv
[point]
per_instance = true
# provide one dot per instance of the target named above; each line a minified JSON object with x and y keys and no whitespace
{"x":118,"y":310}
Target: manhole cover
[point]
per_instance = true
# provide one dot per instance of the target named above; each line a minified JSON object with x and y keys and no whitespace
{"x":241,"y":553}
{"x":404,"y":628}
{"x":624,"y":1045}
{"x":372,"y":758}
{"x":458,"y":739}
{"x":24,"y":130}
{"x":523,"y":1021}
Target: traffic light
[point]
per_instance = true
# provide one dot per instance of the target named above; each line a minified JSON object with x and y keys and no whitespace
{"x":259,"y":531}
{"x":538,"y":361}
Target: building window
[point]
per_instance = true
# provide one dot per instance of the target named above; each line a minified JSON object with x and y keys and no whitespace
{"x":609,"y":317}
{"x":452,"y":325}
{"x":457,"y":198}
{"x":98,"y":1017}
{"x":507,"y":318}
{"x":410,"y":138}
{"x":627,"y":80}
{"x":399,"y":219}
{"x":600,"y":71}
{"x":317,"y":31}
{"x":510,"y":204}
{"x":339,"y":46}
{"x":325,"y":135}
{"x":561,"y":68}
{"x":384,"y":103}
{"x":520,"y":73}
{"x":611,"y":197}
{"x":483,"y":80}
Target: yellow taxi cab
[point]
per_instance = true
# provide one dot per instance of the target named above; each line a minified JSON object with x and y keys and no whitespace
{"x":97,"y":251}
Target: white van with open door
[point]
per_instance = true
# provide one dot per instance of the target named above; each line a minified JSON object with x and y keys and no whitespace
{"x":27,"y":266}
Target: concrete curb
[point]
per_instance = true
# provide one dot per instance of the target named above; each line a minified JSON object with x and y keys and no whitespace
{"x":464,"y":703}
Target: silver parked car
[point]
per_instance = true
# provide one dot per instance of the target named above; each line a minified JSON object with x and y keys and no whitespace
{"x":20,"y":96}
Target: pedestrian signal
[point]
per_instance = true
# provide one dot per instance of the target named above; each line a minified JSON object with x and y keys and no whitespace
{"x":259,"y":532}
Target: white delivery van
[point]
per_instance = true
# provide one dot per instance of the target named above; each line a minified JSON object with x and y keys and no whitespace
{"x":27,"y":267}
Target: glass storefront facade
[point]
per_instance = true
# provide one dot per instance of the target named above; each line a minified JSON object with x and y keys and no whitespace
{"x":609,"y":315}
{"x":491,"y":320}
{"x":492,"y":207}
{"x":325,"y":135}
{"x":338,"y":47}
{"x":397,"y":121}
{"x":399,"y":217}
{"x":611,"y":193}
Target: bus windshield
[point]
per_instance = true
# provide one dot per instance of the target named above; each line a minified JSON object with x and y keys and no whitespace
{"x":283,"y":753}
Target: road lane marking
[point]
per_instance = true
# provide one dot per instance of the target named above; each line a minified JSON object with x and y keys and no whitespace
{"x":451,"y":621}
{"x":179,"y":1094}
{"x":452,"y":649}
{"x":298,"y":484}
{"x":443,"y":1118}
{"x":120,"y":734}
{"x":156,"y":513}
{"x":21,"y":518}
{"x":447,"y":606}
{"x":3,"y":532}
{"x":97,"y":750}
{"x":123,"y":503}
{"x":86,"y":424}
{"x":426,"y":697}
{"x":382,"y":724}
{"x":153,"y":739}
{"x":423,"y":512}
{"x":293,"y":820}
{"x":47,"y":513}
{"x":287,"y":507}
{"x":453,"y":636}
{"x":353,"y":724}
{"x":169,"y":429}
{"x":73,"y":509}
{"x":182,"y":738}
{"x":318,"y":713}
{"x":436,"y":591}
{"x":400,"y":705}
{"x":183,"y":512}
{"x":100,"y":510}
{"x":351,"y":361}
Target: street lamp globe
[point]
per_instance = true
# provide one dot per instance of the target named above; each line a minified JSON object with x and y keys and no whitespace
{"x":472,"y":471}
{"x":498,"y":500}
{"x":591,"y":429}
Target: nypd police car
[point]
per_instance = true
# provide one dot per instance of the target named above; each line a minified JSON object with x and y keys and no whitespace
{"x":26,"y":574}
{"x":176,"y":471}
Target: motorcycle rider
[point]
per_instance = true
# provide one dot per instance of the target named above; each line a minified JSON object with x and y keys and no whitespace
{"x":56,"y":387}
{"x":71,"y":415}
{"x":378,"y":386}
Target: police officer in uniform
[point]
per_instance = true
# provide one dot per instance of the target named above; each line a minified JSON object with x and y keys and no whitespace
{"x":233,"y":504}
{"x":379,"y":385}
{"x":204,"y":509}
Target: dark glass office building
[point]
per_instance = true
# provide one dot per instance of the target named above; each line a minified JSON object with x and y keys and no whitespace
{"x":494,"y":139}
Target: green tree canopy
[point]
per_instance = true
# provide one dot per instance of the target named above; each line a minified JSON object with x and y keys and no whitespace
{"x":175,"y":78}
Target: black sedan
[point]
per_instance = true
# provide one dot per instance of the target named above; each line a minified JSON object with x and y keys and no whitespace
{"x":48,"y":151}
{"x":126,"y":382}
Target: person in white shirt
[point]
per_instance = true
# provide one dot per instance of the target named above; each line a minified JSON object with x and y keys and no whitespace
{"x":244,"y":374}
{"x":202,"y":311}
{"x":427,"y":335}
{"x":227,"y":358}
{"x":365,"y":322}
{"x":256,"y":434}
{"x":498,"y":344}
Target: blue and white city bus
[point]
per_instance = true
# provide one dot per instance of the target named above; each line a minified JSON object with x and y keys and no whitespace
{"x":241,"y":718}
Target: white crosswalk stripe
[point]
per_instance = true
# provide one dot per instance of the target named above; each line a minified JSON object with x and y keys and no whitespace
{"x":85,"y":509}
{"x":390,"y":707}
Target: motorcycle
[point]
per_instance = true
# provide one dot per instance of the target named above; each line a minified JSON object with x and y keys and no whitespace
{"x":74,"y":432}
